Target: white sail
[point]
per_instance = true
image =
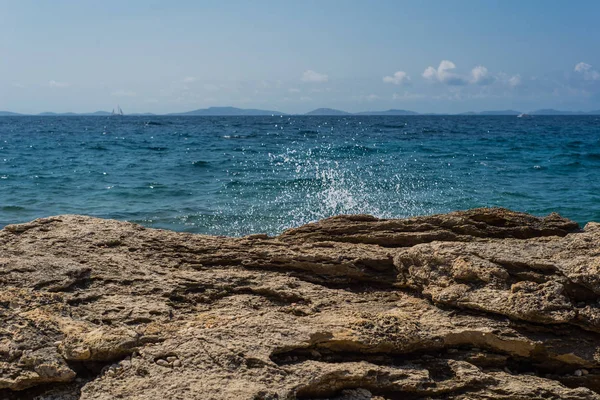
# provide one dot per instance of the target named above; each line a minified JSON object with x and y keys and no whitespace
{"x":117,"y":111}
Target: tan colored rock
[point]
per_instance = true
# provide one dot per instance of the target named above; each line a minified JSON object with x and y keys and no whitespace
{"x":351,"y":308}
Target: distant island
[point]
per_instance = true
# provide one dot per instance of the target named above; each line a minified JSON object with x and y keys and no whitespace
{"x":228,"y":111}
{"x":234,"y":111}
{"x":495,"y":112}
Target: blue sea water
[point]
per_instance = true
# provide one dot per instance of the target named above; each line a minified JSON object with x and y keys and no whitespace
{"x":242,"y":175}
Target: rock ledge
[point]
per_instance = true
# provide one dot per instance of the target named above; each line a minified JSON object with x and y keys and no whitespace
{"x":478,"y":304}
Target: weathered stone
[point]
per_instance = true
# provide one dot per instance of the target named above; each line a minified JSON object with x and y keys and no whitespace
{"x":480,"y":304}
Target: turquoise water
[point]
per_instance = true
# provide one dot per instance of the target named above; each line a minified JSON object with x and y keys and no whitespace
{"x":241,"y":175}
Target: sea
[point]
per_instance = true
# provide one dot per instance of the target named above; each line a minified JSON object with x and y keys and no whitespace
{"x":242,"y":175}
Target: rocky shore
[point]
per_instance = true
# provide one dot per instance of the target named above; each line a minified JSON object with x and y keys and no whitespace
{"x":480,"y":304}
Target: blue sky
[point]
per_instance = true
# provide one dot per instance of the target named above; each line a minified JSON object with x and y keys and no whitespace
{"x":294,"y":56}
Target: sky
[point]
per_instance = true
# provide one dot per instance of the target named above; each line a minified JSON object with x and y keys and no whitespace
{"x":294,"y":56}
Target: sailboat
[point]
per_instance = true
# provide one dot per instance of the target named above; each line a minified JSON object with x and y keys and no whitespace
{"x":117,"y":111}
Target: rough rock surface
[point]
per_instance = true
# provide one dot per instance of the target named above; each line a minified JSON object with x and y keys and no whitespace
{"x":480,"y":304}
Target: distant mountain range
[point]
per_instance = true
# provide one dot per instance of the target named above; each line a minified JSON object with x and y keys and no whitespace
{"x":228,"y":111}
{"x":327,"y":111}
{"x":233,"y":111}
{"x":495,"y":112}
{"x":388,"y":112}
{"x":67,"y":114}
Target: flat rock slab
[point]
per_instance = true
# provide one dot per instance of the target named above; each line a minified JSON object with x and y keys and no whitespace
{"x":478,"y":304}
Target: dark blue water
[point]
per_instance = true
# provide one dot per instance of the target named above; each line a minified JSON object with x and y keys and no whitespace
{"x":240,"y":175}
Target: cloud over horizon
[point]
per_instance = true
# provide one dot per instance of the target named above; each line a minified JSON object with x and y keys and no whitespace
{"x":481,"y":76}
{"x":587,"y":72}
{"x":444,"y":74}
{"x":313,"y":76}
{"x":399,"y":78}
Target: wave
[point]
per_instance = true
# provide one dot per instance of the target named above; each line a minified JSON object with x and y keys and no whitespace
{"x":200,"y":164}
{"x":308,"y":132}
{"x":236,"y":136}
{"x":592,"y":156}
{"x":389,"y":126}
{"x":12,"y":208}
{"x":574,"y":164}
{"x":356,"y":149}
{"x":97,"y":147}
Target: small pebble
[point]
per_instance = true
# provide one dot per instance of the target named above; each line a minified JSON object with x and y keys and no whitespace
{"x":171,"y":359}
{"x":578,"y":372}
{"x":585,"y":371}
{"x":177,"y":363}
{"x":162,"y":363}
{"x":452,"y":351}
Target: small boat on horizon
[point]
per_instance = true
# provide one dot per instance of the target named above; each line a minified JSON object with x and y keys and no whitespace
{"x":117,"y":111}
{"x":523,"y":116}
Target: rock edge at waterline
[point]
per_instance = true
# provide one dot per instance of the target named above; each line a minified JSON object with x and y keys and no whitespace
{"x":478,"y":304}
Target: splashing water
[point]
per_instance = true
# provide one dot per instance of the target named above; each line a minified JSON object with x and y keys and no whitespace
{"x":241,"y":175}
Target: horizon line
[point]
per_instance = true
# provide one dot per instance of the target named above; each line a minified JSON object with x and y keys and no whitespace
{"x":321,"y":111}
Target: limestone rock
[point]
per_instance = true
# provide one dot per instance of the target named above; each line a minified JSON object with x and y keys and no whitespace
{"x":479,"y":304}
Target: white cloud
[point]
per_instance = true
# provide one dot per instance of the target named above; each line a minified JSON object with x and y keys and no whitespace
{"x":123,"y":93}
{"x":581,"y":67}
{"x":587,"y":71}
{"x":190,"y":79}
{"x":313,"y":76}
{"x":514,"y":81}
{"x":56,"y":84}
{"x":508,"y":80}
{"x":399,"y":78}
{"x":481,"y":76}
{"x":430,"y":73}
{"x":372,"y":97}
{"x":444,"y":74}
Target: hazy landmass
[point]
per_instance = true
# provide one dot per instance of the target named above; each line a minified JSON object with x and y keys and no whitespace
{"x":551,"y":111}
{"x":493,"y":112}
{"x":388,"y":112}
{"x":234,"y":111}
{"x":327,"y":111}
{"x":228,"y":111}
